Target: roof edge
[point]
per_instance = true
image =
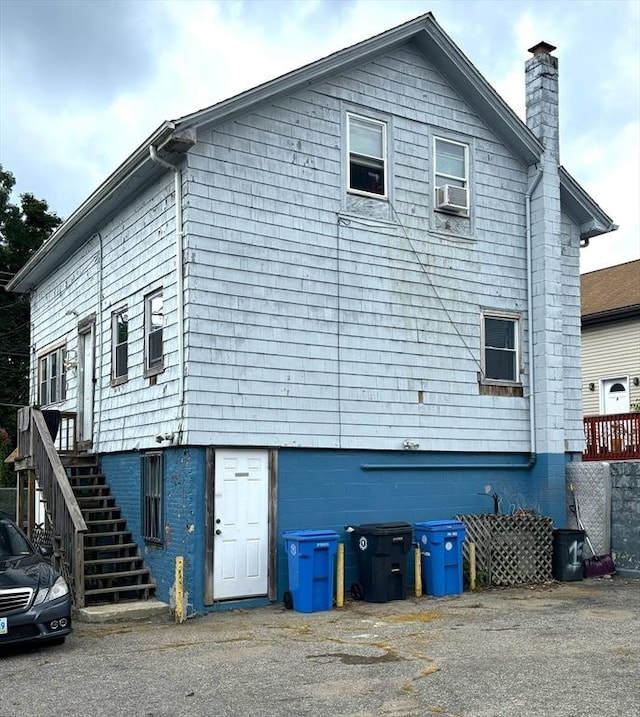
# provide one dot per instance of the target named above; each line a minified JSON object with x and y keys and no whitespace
{"x":120,"y":175}
{"x":600,"y":222}
{"x":491,"y":101}
{"x":618,"y":314}
{"x":311,"y":72}
{"x":424,"y":30}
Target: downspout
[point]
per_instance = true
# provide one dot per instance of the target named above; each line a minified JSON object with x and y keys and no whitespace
{"x":99,"y":341}
{"x":177,"y":175}
{"x":532,"y":405}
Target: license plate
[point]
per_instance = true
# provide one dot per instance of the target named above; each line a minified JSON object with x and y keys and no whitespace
{"x":4,"y":627}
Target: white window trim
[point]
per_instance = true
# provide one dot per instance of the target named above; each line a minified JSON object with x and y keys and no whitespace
{"x":159,"y":368}
{"x":436,"y":174}
{"x":516,"y":319}
{"x":59,"y":351}
{"x":384,"y":158}
{"x":117,"y":378}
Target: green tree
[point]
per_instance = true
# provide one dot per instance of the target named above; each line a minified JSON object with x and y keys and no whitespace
{"x":23,"y":229}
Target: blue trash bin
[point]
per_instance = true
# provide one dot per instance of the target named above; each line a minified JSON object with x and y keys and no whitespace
{"x":312,"y":568}
{"x":440,"y":544}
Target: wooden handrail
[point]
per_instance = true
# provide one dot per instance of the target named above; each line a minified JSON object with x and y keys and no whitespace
{"x":612,"y":437}
{"x":62,"y":506}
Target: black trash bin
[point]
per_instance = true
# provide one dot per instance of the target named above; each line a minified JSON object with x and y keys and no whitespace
{"x":566,"y":563}
{"x":381,"y":553}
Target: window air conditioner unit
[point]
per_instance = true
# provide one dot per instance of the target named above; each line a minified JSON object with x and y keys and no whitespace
{"x":452,"y":199}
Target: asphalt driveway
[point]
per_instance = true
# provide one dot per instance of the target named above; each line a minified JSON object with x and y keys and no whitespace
{"x":562,"y":650}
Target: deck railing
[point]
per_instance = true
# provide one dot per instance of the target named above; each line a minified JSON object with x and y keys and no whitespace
{"x":35,"y":442}
{"x":614,"y":437}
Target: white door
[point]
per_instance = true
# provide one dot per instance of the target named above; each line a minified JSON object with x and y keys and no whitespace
{"x":86,"y":370}
{"x":615,"y":396}
{"x":240,"y":525}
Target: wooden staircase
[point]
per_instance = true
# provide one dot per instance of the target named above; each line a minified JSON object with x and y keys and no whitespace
{"x":113,"y":568}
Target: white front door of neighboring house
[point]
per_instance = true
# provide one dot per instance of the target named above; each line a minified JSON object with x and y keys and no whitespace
{"x":86,"y":382}
{"x":615,"y":396}
{"x":241,"y":523}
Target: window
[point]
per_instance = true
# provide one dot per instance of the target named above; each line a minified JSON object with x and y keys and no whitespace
{"x":501,"y":350}
{"x":367,"y":155}
{"x":451,"y":175}
{"x":152,"y":500}
{"x":51,"y":378}
{"x":153,"y":324}
{"x":119,"y":345}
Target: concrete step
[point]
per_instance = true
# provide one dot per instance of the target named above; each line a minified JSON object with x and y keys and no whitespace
{"x":124,"y":611}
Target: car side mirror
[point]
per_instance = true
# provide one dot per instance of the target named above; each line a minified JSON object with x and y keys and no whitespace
{"x":46,"y":550}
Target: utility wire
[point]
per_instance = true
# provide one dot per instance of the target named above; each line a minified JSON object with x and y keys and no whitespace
{"x":430,"y":282}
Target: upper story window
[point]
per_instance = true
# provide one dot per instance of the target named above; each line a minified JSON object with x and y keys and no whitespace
{"x":451,"y":175}
{"x":501,"y":356}
{"x":367,"y":140}
{"x":119,"y":345}
{"x":51,"y":377}
{"x":153,"y":326}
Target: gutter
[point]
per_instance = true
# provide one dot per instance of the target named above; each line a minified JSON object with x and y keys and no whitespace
{"x":113,"y":182}
{"x":177,"y":175}
{"x":605,"y":317}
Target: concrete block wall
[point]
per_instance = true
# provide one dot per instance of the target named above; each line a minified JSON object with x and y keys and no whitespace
{"x":330,"y":489}
{"x":323,"y":489}
{"x":184,"y":518}
{"x":625,"y":516}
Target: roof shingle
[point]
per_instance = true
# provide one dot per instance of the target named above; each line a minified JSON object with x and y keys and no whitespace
{"x":611,"y":289}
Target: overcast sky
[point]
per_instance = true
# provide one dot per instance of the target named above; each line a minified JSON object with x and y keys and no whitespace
{"x":84,"y":82}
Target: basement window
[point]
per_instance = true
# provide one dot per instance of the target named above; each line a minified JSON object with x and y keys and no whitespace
{"x":152,"y":496}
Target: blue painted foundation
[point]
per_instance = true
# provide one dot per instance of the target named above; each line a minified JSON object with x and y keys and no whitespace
{"x":184,"y":517}
{"x":332,"y":489}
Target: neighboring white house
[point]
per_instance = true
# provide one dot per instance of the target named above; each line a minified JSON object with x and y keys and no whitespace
{"x":348,"y":295}
{"x":611,"y":339}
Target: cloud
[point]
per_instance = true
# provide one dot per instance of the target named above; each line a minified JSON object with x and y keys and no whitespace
{"x":613,"y":177}
{"x":85,"y":82}
{"x":67,"y":52}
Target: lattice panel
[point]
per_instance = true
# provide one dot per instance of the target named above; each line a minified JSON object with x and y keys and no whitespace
{"x":510,"y":549}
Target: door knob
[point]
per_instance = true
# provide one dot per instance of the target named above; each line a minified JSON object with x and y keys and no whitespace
{"x":218,"y":532}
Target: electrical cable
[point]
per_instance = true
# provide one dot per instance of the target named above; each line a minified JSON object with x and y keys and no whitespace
{"x":429,"y":280}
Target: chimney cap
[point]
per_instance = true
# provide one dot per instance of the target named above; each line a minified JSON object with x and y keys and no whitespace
{"x":542,"y":48}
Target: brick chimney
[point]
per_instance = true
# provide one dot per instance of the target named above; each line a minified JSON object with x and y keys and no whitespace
{"x":541,"y":75}
{"x":552,"y":316}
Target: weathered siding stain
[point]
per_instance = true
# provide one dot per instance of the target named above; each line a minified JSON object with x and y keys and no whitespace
{"x":134,"y":253}
{"x":311,"y":319}
{"x":312,"y":324}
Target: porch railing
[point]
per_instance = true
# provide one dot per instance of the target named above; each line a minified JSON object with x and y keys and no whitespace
{"x":614,"y":437}
{"x":37,"y":446}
